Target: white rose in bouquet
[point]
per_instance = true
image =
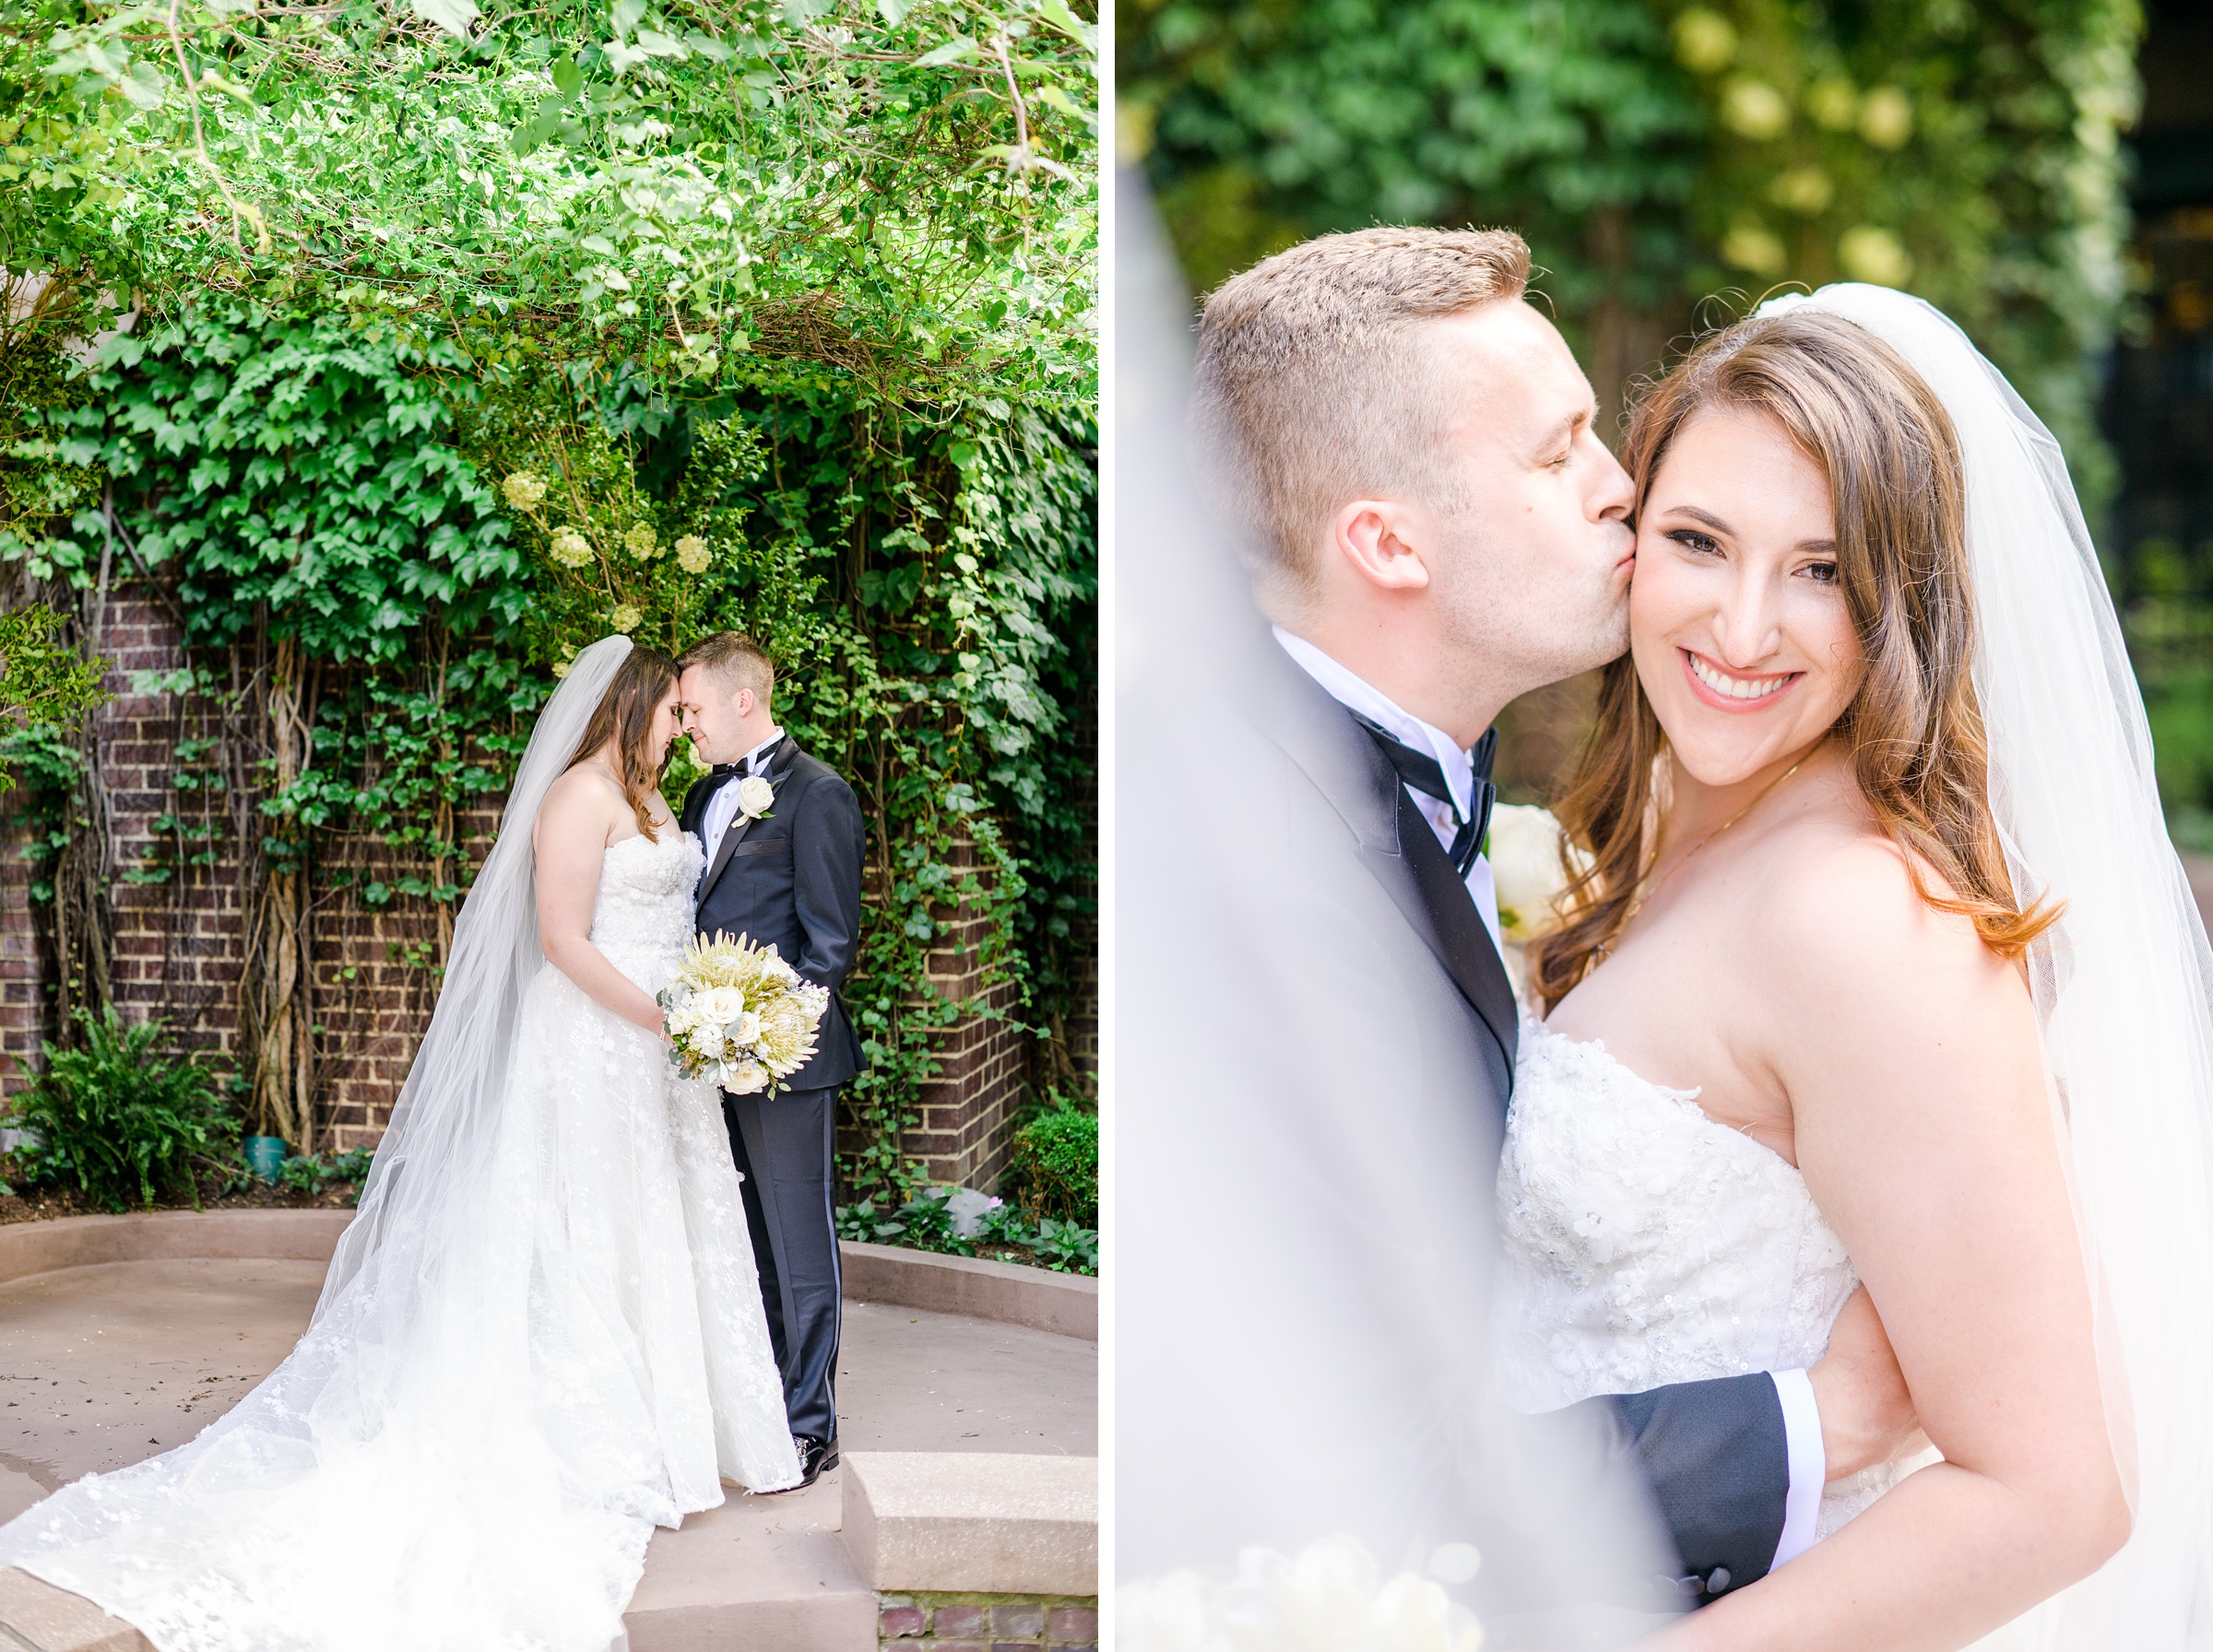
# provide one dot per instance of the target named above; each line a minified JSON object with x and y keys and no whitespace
{"x":719,"y":1006}
{"x":1524,"y":854}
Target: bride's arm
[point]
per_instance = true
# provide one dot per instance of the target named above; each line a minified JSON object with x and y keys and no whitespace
{"x":571,"y":837}
{"x":1909,"y":1055}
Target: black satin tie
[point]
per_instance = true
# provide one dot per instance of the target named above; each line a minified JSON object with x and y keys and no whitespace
{"x":1426,"y":775}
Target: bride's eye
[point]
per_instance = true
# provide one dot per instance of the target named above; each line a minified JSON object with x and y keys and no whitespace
{"x":1691,"y":539}
{"x":1822,"y":574}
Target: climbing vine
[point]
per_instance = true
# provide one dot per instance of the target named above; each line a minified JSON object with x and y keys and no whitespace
{"x":376,"y":564}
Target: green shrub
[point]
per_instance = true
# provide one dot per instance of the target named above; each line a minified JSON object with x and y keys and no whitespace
{"x":1056,"y":1166}
{"x":118,"y":1119}
{"x":926,"y":1222}
{"x":310,"y":1172}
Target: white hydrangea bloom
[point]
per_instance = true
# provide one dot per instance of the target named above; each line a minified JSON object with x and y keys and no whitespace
{"x":569,"y":548}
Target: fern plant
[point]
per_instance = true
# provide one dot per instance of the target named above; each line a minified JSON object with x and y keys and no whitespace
{"x":121,"y":1120}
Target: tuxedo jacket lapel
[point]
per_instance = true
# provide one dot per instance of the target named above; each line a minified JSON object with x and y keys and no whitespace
{"x":1396,"y":843}
{"x":1462,"y":940}
{"x":780,"y":757}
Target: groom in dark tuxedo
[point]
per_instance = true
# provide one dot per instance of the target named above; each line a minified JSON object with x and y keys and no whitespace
{"x":784,"y":841}
{"x":1405,"y":451}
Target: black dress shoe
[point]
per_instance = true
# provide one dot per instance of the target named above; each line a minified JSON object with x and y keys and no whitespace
{"x":815,"y":1456}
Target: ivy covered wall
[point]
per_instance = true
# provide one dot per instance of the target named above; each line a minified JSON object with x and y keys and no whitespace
{"x":452,"y":339}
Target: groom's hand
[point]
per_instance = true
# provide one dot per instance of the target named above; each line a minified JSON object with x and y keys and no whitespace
{"x":1866,"y":1412}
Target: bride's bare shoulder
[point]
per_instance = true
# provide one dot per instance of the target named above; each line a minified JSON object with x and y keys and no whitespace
{"x":584,"y":804}
{"x":1847,"y":914}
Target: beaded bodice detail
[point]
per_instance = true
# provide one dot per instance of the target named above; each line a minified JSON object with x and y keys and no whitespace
{"x":1643,"y":1242}
{"x":643,"y":917}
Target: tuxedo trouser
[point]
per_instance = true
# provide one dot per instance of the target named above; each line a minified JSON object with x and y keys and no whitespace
{"x":782,"y":1145}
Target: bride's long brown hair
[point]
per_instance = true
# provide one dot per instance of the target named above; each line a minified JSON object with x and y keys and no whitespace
{"x":625,"y":715}
{"x":1914,"y":728}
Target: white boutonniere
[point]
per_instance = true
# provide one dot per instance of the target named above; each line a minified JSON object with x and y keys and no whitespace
{"x":755,"y":796}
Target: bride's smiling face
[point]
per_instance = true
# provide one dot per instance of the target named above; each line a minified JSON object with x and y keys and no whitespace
{"x":1738,"y":623}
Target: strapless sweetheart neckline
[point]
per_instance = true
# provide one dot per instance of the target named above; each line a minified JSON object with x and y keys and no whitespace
{"x":1643,"y":1243}
{"x":1687,"y":1098}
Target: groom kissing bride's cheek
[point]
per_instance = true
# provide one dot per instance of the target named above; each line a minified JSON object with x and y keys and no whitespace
{"x":1817,"y":1243}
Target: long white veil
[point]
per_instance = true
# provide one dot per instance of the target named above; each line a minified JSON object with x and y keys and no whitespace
{"x":439,"y":1138}
{"x":401,"y":1452}
{"x":1307,"y":1450}
{"x":2124,"y":984}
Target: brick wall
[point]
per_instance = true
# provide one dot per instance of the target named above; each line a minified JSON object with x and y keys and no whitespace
{"x":179,"y":945}
{"x":176,"y":945}
{"x":982,"y":1061}
{"x":951,"y":1622}
{"x":21,"y":1012}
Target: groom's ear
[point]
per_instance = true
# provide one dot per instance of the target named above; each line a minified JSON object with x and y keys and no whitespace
{"x":1376,"y":537}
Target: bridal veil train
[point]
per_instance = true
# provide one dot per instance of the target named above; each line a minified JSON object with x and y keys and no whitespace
{"x":539,"y":1337}
{"x":2122,"y":983}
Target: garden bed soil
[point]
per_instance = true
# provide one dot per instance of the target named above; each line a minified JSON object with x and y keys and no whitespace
{"x":1019,"y":1255}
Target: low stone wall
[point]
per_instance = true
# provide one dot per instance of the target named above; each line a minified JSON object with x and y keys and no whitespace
{"x":29,"y":1248}
{"x":1065,"y":1303}
{"x":989,"y":1622}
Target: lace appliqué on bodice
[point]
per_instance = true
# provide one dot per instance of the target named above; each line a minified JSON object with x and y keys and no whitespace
{"x":1645,"y":1244}
{"x":642,"y":917}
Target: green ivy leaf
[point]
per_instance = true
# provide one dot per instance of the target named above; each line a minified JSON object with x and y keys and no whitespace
{"x":953,"y":51}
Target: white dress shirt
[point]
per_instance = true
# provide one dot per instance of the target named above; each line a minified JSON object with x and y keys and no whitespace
{"x":722,"y":808}
{"x":1794,"y":1389}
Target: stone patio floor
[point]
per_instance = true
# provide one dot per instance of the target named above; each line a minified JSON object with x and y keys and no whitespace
{"x":106,"y":1364}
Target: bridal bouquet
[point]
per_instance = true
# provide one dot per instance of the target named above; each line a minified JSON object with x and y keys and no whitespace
{"x":741,"y":1013}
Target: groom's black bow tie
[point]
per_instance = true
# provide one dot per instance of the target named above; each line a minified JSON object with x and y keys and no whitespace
{"x":1426,"y":775}
{"x":722,"y":769}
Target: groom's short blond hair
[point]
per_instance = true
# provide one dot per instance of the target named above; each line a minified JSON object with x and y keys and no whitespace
{"x":733,"y":660}
{"x":1313,"y":384}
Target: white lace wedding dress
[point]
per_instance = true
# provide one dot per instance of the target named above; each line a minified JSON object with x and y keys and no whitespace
{"x":1644,"y":1244}
{"x":587,"y":1357}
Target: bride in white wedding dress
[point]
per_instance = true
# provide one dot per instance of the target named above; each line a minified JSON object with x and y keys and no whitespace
{"x":1885,"y":972}
{"x":541,"y":1335}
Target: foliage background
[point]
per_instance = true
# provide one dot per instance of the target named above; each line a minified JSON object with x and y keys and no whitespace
{"x":811,"y":283}
{"x":1655,"y":154}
